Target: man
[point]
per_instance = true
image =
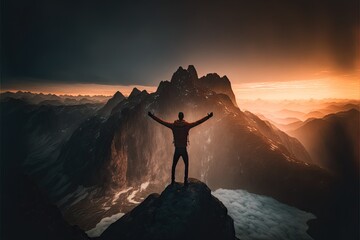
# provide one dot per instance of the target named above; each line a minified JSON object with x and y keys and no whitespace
{"x":180,"y":129}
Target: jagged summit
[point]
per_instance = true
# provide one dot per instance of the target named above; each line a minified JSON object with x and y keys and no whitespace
{"x":134,"y":92}
{"x":183,"y":78}
{"x":188,"y":79}
{"x":178,"y":213}
{"x":111,"y":103}
{"x":118,"y":95}
{"x":136,"y":95}
{"x":218,"y":84}
{"x":193,"y":73}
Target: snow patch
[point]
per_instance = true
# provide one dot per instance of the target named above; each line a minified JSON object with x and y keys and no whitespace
{"x":144,"y":186}
{"x":103,"y":225}
{"x":130,"y":198}
{"x":117,"y":195}
{"x":261,"y":217}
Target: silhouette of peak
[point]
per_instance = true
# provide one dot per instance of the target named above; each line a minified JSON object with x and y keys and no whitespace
{"x":118,"y":95}
{"x":191,"y":69}
{"x":134,"y":92}
{"x":111,"y":103}
{"x":226,"y":78}
{"x":184,"y":77}
{"x":218,"y":84}
{"x":212,"y":75}
{"x":187,"y":211}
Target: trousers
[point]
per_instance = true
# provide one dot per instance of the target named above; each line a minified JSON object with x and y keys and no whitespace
{"x":180,"y":152}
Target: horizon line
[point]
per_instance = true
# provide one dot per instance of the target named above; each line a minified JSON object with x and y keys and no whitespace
{"x":126,"y":95}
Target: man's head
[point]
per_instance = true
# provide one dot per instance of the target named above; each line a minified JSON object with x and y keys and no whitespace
{"x":181,"y":115}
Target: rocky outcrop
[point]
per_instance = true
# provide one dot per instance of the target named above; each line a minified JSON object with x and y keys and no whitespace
{"x":180,"y":212}
{"x":183,"y":78}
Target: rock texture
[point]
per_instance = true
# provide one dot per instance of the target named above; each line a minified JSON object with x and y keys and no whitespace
{"x":180,"y":212}
{"x":218,"y":84}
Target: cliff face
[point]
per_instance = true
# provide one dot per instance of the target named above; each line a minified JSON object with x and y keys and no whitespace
{"x":178,"y":213}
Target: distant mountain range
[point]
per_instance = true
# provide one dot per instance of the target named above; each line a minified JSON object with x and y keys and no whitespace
{"x":333,"y":141}
{"x":289,"y":120}
{"x":52,"y":99}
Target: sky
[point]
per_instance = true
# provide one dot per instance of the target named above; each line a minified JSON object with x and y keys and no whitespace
{"x":261,"y":45}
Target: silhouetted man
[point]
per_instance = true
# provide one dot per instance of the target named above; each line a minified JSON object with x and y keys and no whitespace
{"x":180,"y":129}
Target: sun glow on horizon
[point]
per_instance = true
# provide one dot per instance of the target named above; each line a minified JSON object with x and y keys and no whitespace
{"x":81,"y":89}
{"x":338,"y":87}
{"x":346,"y":87}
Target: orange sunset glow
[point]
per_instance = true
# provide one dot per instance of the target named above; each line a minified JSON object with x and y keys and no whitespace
{"x":82,"y":89}
{"x":340,"y":87}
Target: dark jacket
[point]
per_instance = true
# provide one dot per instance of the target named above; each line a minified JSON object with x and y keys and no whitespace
{"x":180,"y":129}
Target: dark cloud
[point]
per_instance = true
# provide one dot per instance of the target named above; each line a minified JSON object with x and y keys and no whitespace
{"x":138,"y":42}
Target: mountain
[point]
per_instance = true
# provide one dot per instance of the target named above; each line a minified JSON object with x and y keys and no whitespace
{"x":289,"y":127}
{"x":285,"y":120}
{"x":82,"y":159}
{"x":314,"y":114}
{"x":178,"y":213}
{"x":216,"y":83}
{"x":111,"y":103}
{"x":53,"y":99}
{"x":30,"y":97}
{"x":333,"y":141}
{"x":232,"y":150}
{"x":287,"y":113}
{"x":289,"y":144}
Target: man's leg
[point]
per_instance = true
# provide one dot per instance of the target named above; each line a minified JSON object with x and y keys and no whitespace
{"x":186,"y":162}
{"x":175,"y":160}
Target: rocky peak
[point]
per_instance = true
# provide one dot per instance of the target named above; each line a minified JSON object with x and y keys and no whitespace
{"x":111,"y":103}
{"x":134,"y":92}
{"x":217,"y":84}
{"x":178,"y":213}
{"x":118,"y":95}
{"x":183,"y":77}
{"x":193,"y":73}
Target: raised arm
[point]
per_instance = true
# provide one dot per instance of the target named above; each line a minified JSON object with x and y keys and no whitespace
{"x":194,"y":124}
{"x":166,"y":124}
